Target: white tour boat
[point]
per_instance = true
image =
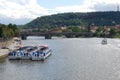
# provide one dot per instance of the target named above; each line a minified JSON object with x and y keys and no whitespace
{"x":41,"y":54}
{"x":22,"y":53}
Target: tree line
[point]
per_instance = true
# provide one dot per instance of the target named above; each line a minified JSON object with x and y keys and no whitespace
{"x":109,"y":18}
{"x":99,"y":32}
{"x":75,"y":20}
{"x":8,"y":31}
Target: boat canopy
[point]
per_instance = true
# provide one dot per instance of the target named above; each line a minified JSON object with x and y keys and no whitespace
{"x":44,"y":46}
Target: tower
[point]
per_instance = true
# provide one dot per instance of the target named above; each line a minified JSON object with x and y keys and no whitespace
{"x":117,"y":8}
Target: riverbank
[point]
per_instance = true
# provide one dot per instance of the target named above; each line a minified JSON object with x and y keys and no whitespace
{"x":3,"y":53}
{"x":5,"y":47}
{"x":5,"y":44}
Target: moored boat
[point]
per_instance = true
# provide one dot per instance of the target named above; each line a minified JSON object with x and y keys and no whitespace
{"x":28,"y":52}
{"x":41,"y":54}
{"x":16,"y":54}
{"x":22,"y":53}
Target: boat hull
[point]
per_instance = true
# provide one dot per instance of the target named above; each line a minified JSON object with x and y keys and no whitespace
{"x":39,"y":58}
{"x":27,"y":54}
{"x":14,"y":57}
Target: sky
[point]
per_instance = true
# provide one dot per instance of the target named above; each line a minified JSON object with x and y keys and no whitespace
{"x":21,"y":12}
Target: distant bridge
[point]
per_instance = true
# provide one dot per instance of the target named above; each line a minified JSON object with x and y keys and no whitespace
{"x":48,"y":35}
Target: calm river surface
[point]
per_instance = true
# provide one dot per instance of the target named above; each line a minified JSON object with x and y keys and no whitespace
{"x":72,"y":59}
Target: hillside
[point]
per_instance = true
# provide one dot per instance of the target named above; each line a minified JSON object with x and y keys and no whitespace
{"x":75,"y":19}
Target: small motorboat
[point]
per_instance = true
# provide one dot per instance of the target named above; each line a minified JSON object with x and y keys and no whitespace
{"x":104,"y":41}
{"x":41,"y":54}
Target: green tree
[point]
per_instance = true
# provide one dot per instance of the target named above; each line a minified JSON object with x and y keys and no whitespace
{"x":112,"y":32}
{"x":99,"y":31}
{"x":8,"y":31}
{"x":4,"y":33}
{"x":74,"y":28}
{"x":14,"y":31}
{"x":67,"y":30}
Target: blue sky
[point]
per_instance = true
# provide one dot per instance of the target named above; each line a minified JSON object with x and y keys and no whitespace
{"x":23,"y":11}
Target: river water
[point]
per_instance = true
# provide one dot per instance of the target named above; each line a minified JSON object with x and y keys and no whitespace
{"x":72,"y":59}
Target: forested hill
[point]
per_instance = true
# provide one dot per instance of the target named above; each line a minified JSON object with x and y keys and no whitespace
{"x":76,"y":19}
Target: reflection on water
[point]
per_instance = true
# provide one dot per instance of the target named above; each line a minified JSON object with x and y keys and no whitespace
{"x":72,"y":59}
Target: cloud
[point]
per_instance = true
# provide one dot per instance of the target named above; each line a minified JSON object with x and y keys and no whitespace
{"x":102,"y":5}
{"x":89,"y":6}
{"x":23,"y":11}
